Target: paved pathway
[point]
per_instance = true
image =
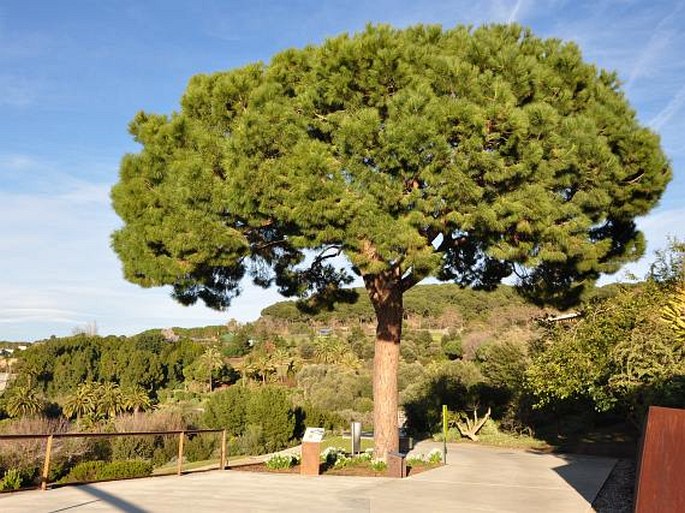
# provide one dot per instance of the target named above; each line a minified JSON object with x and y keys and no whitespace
{"x":475,"y":480}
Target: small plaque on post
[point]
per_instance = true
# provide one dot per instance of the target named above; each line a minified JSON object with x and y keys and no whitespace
{"x":313,"y":434}
{"x":311,"y":449}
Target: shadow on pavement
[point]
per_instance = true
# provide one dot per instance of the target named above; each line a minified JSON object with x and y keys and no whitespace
{"x":67,"y":508}
{"x":117,"y":502}
{"x":583,"y":480}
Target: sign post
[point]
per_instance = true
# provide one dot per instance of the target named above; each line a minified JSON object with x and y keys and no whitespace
{"x":444,"y":434}
{"x":311,"y":450}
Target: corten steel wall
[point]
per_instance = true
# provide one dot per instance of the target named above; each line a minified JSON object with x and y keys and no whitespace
{"x":660,"y":484}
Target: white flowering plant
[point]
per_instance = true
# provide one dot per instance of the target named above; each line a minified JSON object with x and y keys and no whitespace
{"x":434,"y":457}
{"x":281,"y":461}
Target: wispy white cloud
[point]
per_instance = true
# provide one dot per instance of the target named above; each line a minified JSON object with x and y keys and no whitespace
{"x":31,"y":315}
{"x":16,"y":162}
{"x":660,"y":40}
{"x":672,"y":108}
{"x":513,"y":16}
{"x":59,"y":271}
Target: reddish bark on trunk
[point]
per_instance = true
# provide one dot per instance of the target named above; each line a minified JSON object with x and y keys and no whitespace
{"x":386,"y":296}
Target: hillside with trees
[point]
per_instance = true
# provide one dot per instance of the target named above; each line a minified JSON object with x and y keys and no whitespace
{"x":590,"y":378}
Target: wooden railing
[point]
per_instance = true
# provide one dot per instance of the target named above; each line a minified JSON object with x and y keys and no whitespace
{"x":49,"y":437}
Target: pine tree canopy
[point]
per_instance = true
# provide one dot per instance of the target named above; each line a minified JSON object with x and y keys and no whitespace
{"x":467,"y":154}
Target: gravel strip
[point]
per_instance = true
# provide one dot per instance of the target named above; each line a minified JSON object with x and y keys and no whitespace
{"x":616,"y":496}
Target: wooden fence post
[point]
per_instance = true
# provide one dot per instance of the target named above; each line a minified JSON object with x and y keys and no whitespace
{"x":222,"y":458}
{"x":181,"y":439}
{"x":46,"y":464}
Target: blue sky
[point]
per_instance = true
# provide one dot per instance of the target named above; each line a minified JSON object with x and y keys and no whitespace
{"x":73,"y":74}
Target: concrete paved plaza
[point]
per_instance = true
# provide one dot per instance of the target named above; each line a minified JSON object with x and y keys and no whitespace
{"x":476,"y":479}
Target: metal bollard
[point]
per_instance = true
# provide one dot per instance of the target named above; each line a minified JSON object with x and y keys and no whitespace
{"x":356,"y":435}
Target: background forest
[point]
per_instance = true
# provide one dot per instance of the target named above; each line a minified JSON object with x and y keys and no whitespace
{"x":580,"y":384}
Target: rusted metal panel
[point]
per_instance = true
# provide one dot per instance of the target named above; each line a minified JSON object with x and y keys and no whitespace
{"x":660,"y":482}
{"x":397,"y":465}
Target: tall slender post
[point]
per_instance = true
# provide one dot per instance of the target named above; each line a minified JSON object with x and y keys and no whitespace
{"x":444,"y":434}
{"x":46,"y":464}
{"x":181,"y":439}
{"x":222,"y":459}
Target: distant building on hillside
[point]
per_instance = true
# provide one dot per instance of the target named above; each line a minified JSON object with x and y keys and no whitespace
{"x":564,"y":317}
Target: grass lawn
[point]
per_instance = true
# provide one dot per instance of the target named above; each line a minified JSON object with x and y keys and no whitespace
{"x":170,"y":468}
{"x":345,"y":443}
{"x":330,"y":441}
{"x":498,"y":439}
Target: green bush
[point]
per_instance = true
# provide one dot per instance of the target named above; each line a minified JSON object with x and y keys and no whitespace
{"x":311,"y":416}
{"x":200,"y":447}
{"x":379,"y":466}
{"x":11,"y":480}
{"x":133,"y":447}
{"x":454,"y":383}
{"x":99,"y":470}
{"x":504,"y":363}
{"x":271,"y":409}
{"x":167,"y":451}
{"x":281,"y":461}
{"x":452,"y":347}
{"x":97,"y":449}
{"x":251,"y":441}
{"x":226,"y":409}
{"x":84,"y":472}
{"x":262,"y":416}
{"x":125,"y":469}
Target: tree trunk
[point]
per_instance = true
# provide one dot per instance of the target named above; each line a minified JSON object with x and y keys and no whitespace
{"x":386,"y":296}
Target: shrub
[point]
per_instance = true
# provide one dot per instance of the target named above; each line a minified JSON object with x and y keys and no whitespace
{"x":226,"y":409}
{"x":452,"y":347}
{"x":379,"y":466}
{"x":124,"y":470}
{"x":11,"y":480}
{"x":167,"y":451}
{"x":133,"y":447}
{"x":415,"y":461}
{"x":281,"y":461}
{"x":309,"y":415}
{"x":343,"y":460}
{"x":200,"y":447}
{"x":367,"y":455}
{"x":331,"y":454}
{"x":454,"y":383}
{"x":434,"y":457}
{"x":84,"y":472}
{"x":363,"y":404}
{"x":271,"y":409}
{"x":252,"y":441}
{"x":504,"y":363}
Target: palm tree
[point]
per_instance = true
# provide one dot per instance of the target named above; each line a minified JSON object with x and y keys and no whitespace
{"x":262,"y":364}
{"x":246,"y":369}
{"x":211,"y":360}
{"x":330,"y":349}
{"x":82,"y":402}
{"x":350,"y":361}
{"x":136,"y":399}
{"x":110,"y":400}
{"x":23,"y":402}
{"x":283,"y":363}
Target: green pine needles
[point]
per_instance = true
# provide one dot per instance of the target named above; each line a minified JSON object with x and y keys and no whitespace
{"x":465,"y":154}
{"x":459,"y":153}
